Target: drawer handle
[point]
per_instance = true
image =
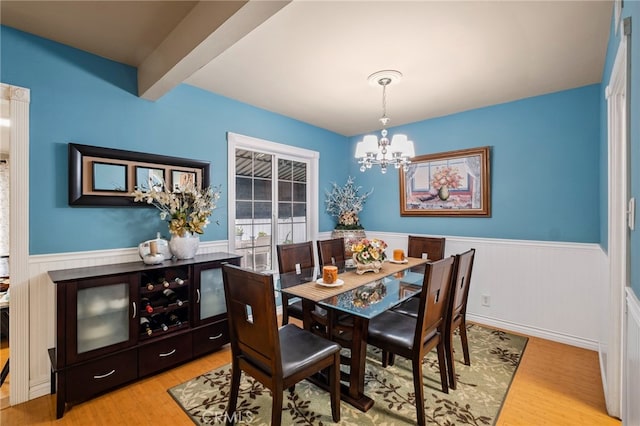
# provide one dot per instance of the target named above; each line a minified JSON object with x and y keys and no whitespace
{"x":168,"y":353}
{"x":104,"y":375}
{"x":215,"y":337}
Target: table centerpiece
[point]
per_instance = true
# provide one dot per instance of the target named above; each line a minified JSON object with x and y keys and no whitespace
{"x":368,"y":255}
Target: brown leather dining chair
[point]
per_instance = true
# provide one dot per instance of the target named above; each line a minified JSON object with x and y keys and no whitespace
{"x":433,"y":248}
{"x":414,"y":337}
{"x":456,"y":313}
{"x":277,"y":358}
{"x":292,"y":258}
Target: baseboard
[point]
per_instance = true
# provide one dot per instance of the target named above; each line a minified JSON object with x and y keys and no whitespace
{"x":535,"y":332}
{"x":631,"y":367}
{"x":38,"y":390}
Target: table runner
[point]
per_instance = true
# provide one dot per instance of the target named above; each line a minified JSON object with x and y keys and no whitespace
{"x":315,"y":292}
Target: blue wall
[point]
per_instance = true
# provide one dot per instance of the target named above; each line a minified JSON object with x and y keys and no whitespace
{"x":78,"y":97}
{"x":630,"y":9}
{"x":545,"y":152}
{"x":544,"y":169}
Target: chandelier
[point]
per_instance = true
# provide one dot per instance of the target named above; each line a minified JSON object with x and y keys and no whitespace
{"x":383,"y":152}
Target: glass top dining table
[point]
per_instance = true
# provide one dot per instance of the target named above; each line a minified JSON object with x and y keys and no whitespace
{"x":376,"y":294}
{"x":363,"y":297}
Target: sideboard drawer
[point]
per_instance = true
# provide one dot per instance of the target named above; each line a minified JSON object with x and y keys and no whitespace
{"x":210,"y":337}
{"x":102,"y":374}
{"x":165,"y":353}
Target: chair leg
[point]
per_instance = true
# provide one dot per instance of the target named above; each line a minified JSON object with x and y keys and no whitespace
{"x":465,"y":343}
{"x":334,"y":385}
{"x":385,"y":359}
{"x":233,"y":395}
{"x":285,"y":313}
{"x":451,"y":365}
{"x":442,"y":363}
{"x":419,"y":390}
{"x":276,"y":405}
{"x":391,"y":358}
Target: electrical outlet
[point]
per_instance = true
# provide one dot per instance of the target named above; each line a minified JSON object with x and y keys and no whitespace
{"x":486,"y":300}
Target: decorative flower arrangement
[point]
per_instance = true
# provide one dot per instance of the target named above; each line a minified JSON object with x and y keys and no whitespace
{"x":446,"y":176}
{"x":369,"y":250}
{"x":186,"y":211}
{"x":344,"y":203}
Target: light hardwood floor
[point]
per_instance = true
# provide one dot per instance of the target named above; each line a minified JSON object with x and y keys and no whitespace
{"x":555,"y":385}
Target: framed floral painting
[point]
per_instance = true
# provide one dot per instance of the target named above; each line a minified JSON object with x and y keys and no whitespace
{"x":454,"y":183}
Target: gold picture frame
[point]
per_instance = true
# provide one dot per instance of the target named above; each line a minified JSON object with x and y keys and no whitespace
{"x":453,"y":183}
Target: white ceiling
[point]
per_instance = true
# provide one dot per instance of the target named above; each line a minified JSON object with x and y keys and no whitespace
{"x":310,"y":60}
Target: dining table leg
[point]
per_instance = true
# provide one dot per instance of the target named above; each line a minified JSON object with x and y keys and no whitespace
{"x":353,"y":393}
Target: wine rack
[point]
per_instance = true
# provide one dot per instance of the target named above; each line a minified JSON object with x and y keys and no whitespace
{"x":154,"y":288}
{"x":117,"y":323}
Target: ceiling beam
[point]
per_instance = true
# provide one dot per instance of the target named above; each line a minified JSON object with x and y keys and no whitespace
{"x":208,"y":30}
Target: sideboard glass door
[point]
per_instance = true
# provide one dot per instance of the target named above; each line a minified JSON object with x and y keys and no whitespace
{"x":211,"y":290}
{"x":103,"y":316}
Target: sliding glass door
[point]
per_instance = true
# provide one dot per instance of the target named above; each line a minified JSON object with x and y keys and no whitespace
{"x":269,"y":201}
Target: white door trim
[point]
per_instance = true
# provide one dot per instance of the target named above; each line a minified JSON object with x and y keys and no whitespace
{"x":618,"y":193}
{"x":19,"y":99}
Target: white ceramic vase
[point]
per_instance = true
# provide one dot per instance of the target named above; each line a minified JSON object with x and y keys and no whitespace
{"x":184,"y":247}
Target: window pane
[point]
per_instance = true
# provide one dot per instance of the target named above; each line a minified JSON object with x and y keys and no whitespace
{"x":284,"y":169}
{"x":284,"y":191}
{"x":299,"y":171}
{"x":244,"y":162}
{"x":300,"y":211}
{"x":262,"y":210}
{"x":299,"y":192}
{"x":243,"y":188}
{"x":262,"y":165}
{"x":243,"y":210}
{"x":284,"y":210}
{"x":262,"y":189}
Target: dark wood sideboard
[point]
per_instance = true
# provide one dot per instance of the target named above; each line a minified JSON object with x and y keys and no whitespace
{"x":102,"y":338}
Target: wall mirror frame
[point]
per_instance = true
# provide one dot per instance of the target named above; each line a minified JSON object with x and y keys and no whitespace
{"x":107,"y":177}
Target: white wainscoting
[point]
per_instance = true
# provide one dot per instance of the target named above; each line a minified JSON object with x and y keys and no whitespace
{"x":631,"y":408}
{"x":42,"y":295}
{"x":545,"y":289}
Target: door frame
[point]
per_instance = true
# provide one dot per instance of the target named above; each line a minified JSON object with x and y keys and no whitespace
{"x":19,"y":98}
{"x":618,"y":233}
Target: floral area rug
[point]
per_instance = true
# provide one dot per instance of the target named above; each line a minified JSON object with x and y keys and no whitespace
{"x":482,"y":388}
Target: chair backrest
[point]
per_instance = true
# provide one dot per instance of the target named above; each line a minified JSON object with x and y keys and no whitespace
{"x":432,"y":246}
{"x":251,"y":312}
{"x":290,"y":255}
{"x":331,"y":252}
{"x":434,"y":299}
{"x":460,"y":286}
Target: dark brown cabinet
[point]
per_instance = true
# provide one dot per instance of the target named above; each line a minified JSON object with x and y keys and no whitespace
{"x":116,"y":323}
